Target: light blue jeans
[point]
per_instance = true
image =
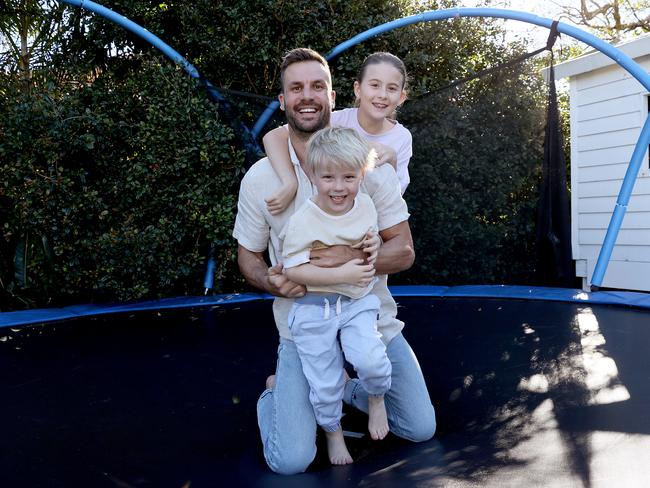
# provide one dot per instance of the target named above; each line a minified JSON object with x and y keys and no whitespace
{"x":286,"y":417}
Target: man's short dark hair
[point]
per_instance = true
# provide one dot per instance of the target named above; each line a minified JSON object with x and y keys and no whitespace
{"x":299,"y":55}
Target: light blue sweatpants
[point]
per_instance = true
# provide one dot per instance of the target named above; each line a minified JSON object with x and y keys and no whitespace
{"x":315,"y":321}
{"x":286,"y":418}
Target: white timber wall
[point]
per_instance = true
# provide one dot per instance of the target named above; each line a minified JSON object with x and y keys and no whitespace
{"x":607,"y":110}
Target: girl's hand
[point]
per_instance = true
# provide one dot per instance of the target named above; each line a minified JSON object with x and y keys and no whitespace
{"x":355,"y":272}
{"x":385,"y":154}
{"x":278,"y":203}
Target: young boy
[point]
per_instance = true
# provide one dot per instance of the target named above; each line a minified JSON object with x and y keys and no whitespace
{"x":338,"y":299}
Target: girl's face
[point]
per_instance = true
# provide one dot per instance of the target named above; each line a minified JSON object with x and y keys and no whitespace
{"x":380,"y":91}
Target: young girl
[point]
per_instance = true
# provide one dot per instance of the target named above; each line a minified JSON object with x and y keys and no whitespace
{"x":379,"y":89}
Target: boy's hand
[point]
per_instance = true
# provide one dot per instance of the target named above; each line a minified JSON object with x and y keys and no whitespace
{"x":355,"y":272}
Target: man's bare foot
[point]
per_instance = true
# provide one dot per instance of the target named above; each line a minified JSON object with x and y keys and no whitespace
{"x":270,"y":382}
{"x":377,"y":418}
{"x":336,"y":448}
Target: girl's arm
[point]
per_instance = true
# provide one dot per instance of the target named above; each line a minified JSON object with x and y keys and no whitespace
{"x":276,"y":147}
{"x":403,"y":155}
{"x":354,"y":272}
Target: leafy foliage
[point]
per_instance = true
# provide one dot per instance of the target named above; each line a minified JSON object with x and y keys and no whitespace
{"x":28,"y":29}
{"x":117,"y":176}
{"x":474,"y":180}
{"x":129,"y":183}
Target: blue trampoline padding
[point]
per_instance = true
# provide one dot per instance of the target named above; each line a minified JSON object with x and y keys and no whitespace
{"x":624,"y":298}
{"x":42,"y":315}
{"x":636,"y":299}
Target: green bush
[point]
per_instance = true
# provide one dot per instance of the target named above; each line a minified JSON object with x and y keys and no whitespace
{"x":474,"y":173}
{"x":127,"y":183}
{"x":117,"y":175}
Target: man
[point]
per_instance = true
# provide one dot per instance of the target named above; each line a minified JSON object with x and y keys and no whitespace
{"x":285,"y":415}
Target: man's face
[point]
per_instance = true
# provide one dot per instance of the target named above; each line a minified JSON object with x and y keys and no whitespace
{"x":307,"y":96}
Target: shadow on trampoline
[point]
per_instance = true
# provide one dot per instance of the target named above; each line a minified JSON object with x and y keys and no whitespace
{"x":527,"y":393}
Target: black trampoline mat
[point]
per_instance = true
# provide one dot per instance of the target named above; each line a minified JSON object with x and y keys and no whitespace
{"x":527,"y":393}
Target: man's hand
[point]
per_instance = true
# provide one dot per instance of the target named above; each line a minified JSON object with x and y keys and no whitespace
{"x":271,"y":280}
{"x":334,"y":256}
{"x":370,"y":245}
{"x":281,"y":286}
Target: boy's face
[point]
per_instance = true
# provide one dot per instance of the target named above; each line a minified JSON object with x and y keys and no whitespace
{"x":337,"y":187}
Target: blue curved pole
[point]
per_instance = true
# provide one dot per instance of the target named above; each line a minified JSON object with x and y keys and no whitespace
{"x":138,"y":30}
{"x":172,"y":54}
{"x":615,"y":54}
{"x":619,"y":57}
{"x":263,"y":119}
{"x":622,"y":201}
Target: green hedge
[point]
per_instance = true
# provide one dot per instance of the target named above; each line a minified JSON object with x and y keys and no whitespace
{"x":117,"y":175}
{"x":474,"y":174}
{"x":116,"y":190}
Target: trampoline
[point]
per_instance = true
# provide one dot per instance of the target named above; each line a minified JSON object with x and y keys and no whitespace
{"x":532,"y":386}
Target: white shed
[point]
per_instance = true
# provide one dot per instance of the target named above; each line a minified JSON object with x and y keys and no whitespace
{"x":607,"y":110}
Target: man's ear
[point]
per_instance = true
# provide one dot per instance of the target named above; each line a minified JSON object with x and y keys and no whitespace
{"x":333,"y":98}
{"x":281,"y":98}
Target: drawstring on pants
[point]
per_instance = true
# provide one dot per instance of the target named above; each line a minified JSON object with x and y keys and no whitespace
{"x":326,"y":305}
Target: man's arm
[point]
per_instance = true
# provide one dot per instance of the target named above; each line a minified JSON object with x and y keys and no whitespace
{"x":271,"y":280}
{"x":395,"y":254}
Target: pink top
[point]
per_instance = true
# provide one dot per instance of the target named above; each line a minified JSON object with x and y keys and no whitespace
{"x":399,"y":138}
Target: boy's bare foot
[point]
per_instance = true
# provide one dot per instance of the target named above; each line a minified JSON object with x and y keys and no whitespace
{"x":377,"y":418}
{"x":336,"y":448}
{"x":270,"y":382}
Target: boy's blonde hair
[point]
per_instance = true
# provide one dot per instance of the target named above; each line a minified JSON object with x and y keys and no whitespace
{"x":340,"y":146}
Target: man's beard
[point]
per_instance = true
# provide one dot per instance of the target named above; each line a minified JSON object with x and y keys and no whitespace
{"x":305,"y":130}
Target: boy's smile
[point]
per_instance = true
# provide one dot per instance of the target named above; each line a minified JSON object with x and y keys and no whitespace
{"x":337,"y":188}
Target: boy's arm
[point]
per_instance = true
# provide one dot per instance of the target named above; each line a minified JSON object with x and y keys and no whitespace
{"x":353,"y":272}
